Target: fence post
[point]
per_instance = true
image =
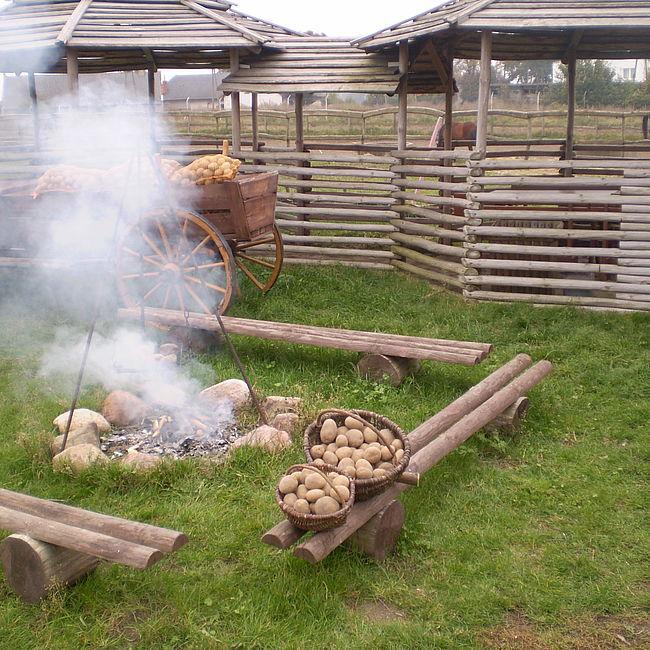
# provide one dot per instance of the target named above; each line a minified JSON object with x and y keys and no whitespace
{"x":363,"y":128}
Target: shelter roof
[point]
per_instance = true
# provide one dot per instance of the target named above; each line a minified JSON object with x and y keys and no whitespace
{"x":321,"y":64}
{"x":127,"y":34}
{"x":529,"y":29}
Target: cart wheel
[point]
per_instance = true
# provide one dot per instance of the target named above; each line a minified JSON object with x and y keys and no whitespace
{"x":260,"y":260}
{"x":174,"y":259}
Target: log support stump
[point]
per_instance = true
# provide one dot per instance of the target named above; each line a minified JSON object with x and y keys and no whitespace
{"x":378,"y":537}
{"x":34,"y":568}
{"x":378,"y":367}
{"x":511,"y":419}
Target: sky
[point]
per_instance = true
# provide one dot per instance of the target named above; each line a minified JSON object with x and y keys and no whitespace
{"x":346,"y":18}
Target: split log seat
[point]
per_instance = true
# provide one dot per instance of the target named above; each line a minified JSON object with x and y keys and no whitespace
{"x":57,"y":544}
{"x":391,"y":355}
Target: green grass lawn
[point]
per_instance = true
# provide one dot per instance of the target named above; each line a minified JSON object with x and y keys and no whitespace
{"x":540,"y":541}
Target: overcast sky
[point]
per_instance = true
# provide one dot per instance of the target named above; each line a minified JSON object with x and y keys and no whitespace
{"x":348,"y":18}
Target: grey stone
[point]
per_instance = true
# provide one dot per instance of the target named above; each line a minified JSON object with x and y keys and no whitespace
{"x":89,"y":435}
{"x":123,"y":409}
{"x":80,"y":419}
{"x":265,"y":437}
{"x":233,"y":391}
{"x":288,"y":422}
{"x":78,"y":458}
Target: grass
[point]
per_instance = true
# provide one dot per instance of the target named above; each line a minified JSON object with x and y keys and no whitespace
{"x":538,"y":541}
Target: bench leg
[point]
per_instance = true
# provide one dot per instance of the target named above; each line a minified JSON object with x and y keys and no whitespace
{"x":511,"y":419}
{"x":376,"y":367}
{"x":33,"y":568}
{"x":378,"y":537}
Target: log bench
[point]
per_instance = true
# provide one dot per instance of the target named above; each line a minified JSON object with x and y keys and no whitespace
{"x":56,"y":544}
{"x":374,"y":526}
{"x":385,"y":355}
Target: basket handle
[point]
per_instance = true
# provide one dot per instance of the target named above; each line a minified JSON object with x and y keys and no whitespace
{"x":353,"y":415}
{"x":315,"y":469}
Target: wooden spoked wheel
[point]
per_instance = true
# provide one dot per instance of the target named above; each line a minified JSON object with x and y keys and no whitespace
{"x":260,"y":259}
{"x":175,"y":259}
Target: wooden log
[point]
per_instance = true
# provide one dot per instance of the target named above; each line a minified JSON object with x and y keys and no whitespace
{"x":511,"y":419}
{"x":429,"y":230}
{"x":426,"y":260}
{"x":428,"y":216}
{"x":32,"y":568}
{"x":235,"y":102}
{"x":429,"y":246}
{"x":378,"y":367}
{"x":322,"y":544}
{"x":378,"y":537}
{"x":79,"y":539}
{"x":163,"y":539}
{"x":284,"y":534}
{"x":428,"y":274}
{"x":485,"y":78}
{"x":402,"y":115}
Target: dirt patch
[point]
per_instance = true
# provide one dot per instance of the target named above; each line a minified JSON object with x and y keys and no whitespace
{"x":379,"y":611}
{"x":598,"y":633}
{"x":126,"y":626}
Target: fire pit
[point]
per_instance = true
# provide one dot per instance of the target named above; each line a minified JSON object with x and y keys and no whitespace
{"x":193,"y":433}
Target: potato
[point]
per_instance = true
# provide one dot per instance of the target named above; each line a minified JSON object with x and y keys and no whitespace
{"x":386,"y":454}
{"x":341,"y":441}
{"x":331,"y":447}
{"x":330,"y":458}
{"x":344,"y":452}
{"x":314,"y":481}
{"x":364,"y":472}
{"x":345,"y":462}
{"x":290,"y":499}
{"x":363,"y":463}
{"x":326,"y":506}
{"x":356,"y":454}
{"x":365,"y":445}
{"x":355,"y":438}
{"x":386,"y":466}
{"x":301,"y":492}
{"x":337,"y":479}
{"x":343,"y":492}
{"x":372,"y":455}
{"x":317,"y":451}
{"x":379,"y":473}
{"x":319,"y":462}
{"x":351,"y":423}
{"x":387,"y":435}
{"x":369,"y":435}
{"x":328,"y":431}
{"x":399,"y":454}
{"x":398,"y":444}
{"x":343,"y":431}
{"x":301,"y":505}
{"x":298,"y":475}
{"x":313,"y":495}
{"x":288,"y":484}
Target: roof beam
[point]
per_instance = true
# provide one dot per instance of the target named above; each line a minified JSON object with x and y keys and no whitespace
{"x":464,"y":15}
{"x":72,"y":22}
{"x":215,"y":15}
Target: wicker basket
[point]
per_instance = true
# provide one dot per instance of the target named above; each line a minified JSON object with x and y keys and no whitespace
{"x":368,"y":487}
{"x":317,"y":523}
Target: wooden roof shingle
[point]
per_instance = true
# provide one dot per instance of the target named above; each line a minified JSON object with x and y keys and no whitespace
{"x":127,"y":34}
{"x":528,"y":29}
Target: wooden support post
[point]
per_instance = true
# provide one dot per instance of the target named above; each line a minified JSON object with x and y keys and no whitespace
{"x":151,"y":92}
{"x":255,"y":121}
{"x":511,"y":419}
{"x":402,"y":113}
{"x":571,"y":105}
{"x":235,"y":105}
{"x":449,"y":100}
{"x":378,"y":367}
{"x":484,"y":92}
{"x":34,"y":568}
{"x":72,"y":66}
{"x":33,"y":97}
{"x":379,"y":536}
{"x":299,"y":105}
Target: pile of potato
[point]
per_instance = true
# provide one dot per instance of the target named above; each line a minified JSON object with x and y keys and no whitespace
{"x":68,"y":178}
{"x":307,"y":491}
{"x":357,"y":450}
{"x":208,"y":170}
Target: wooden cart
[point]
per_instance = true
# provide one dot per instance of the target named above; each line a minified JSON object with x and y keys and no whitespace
{"x":183,"y":257}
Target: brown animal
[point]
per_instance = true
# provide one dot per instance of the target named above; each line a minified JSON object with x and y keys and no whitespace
{"x":459,"y":131}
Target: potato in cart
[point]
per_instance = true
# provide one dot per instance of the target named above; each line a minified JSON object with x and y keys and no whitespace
{"x":207,"y":170}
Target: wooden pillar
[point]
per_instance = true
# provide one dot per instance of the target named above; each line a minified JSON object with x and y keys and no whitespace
{"x":402,"y":114}
{"x":255,"y":122}
{"x":34,"y":568}
{"x":449,"y":100}
{"x":72,"y":65}
{"x":299,"y":101}
{"x":571,"y":104}
{"x":235,"y":105}
{"x":484,"y":91}
{"x":31,"y":77}
{"x":151,"y":92}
